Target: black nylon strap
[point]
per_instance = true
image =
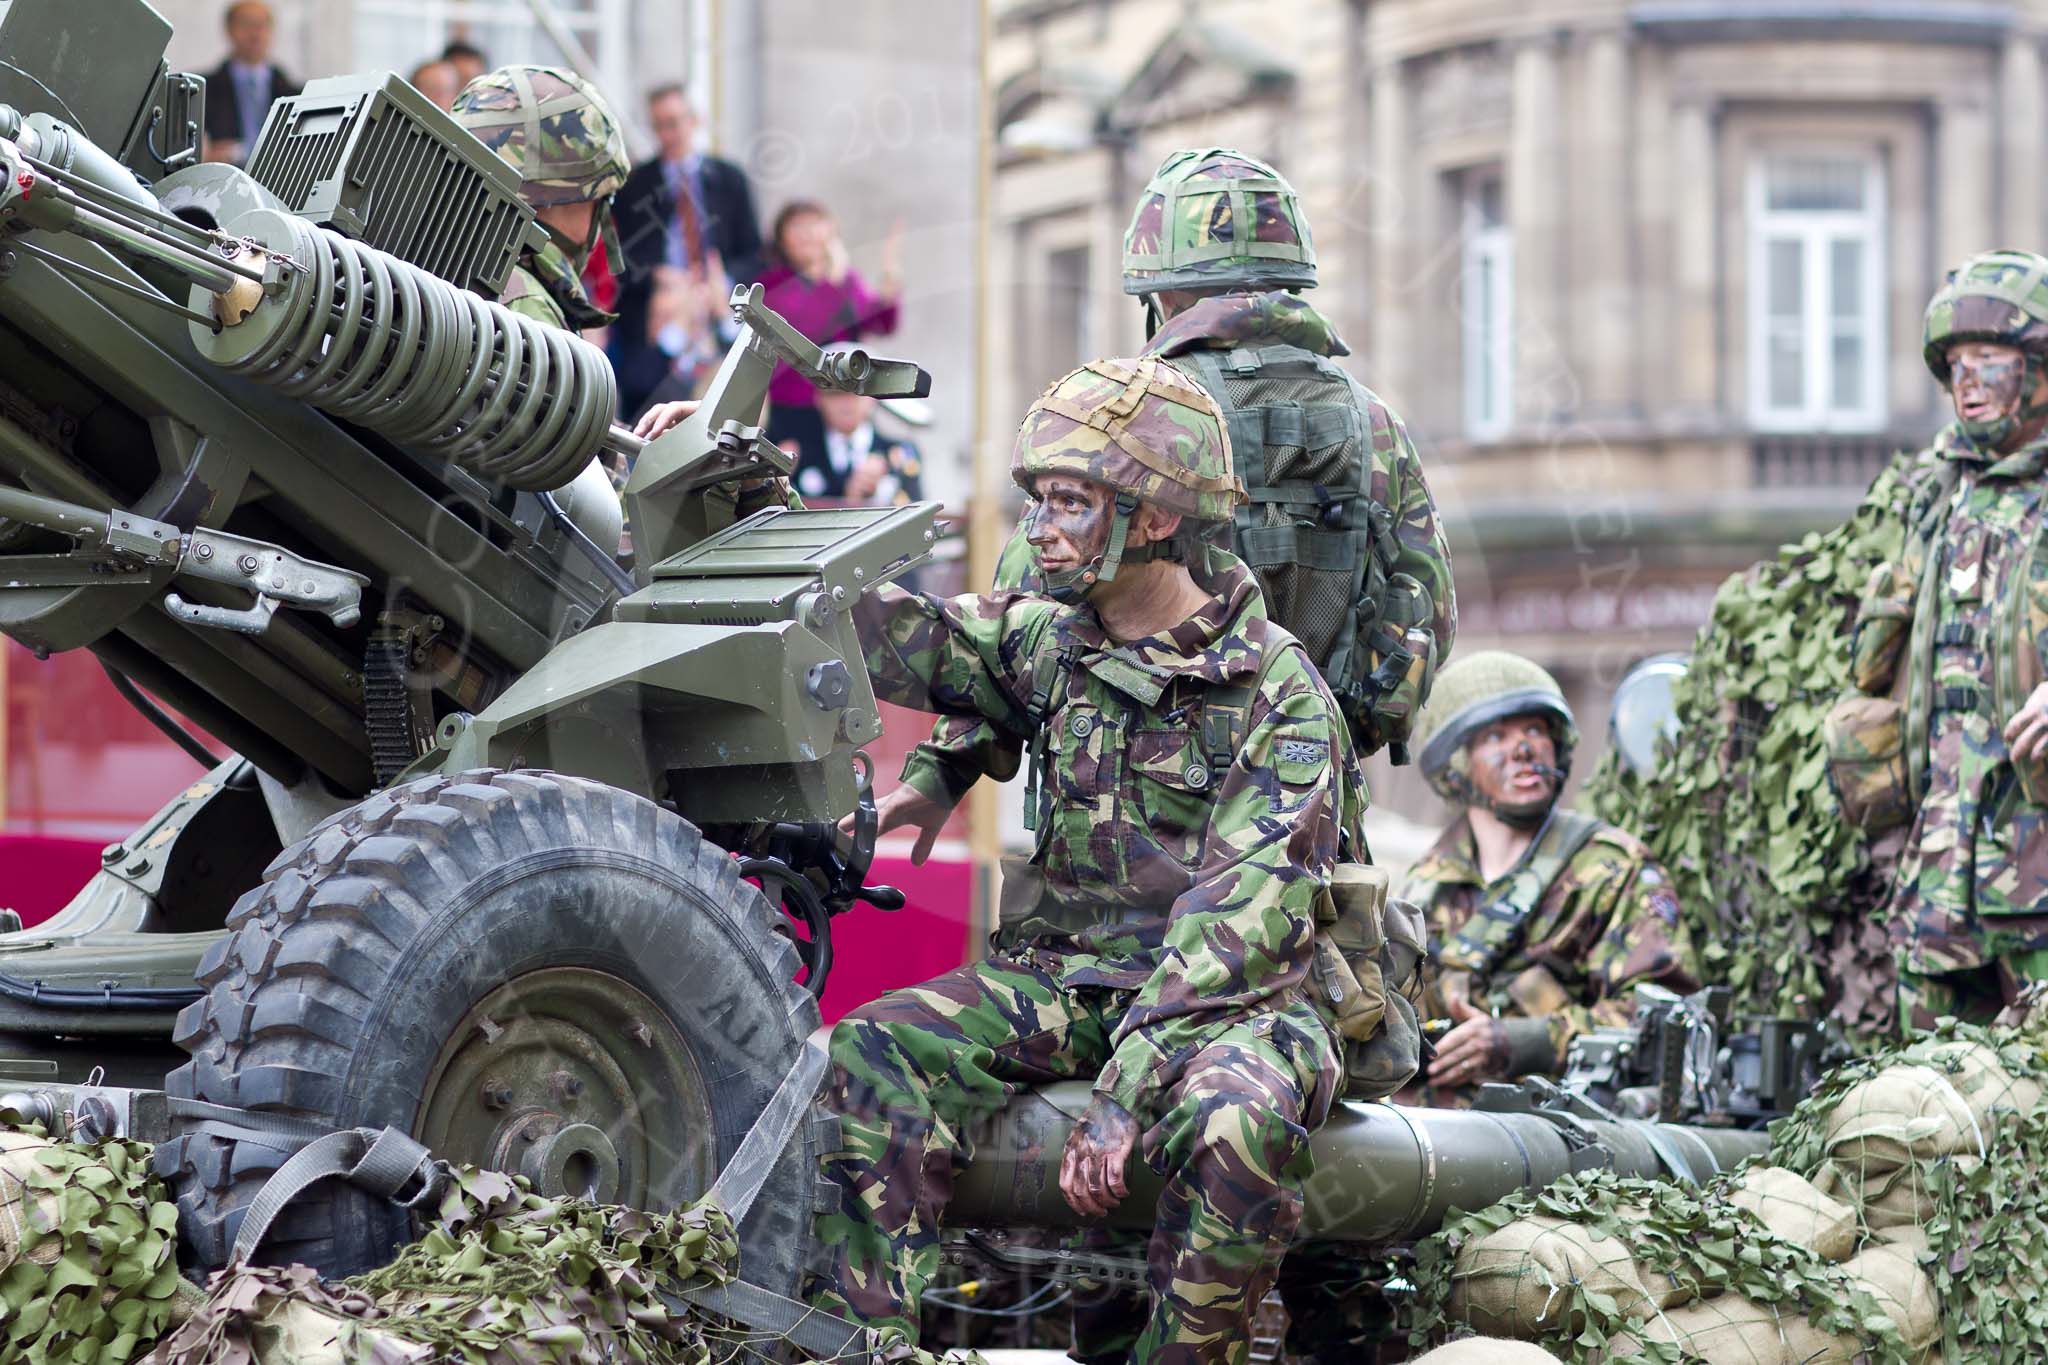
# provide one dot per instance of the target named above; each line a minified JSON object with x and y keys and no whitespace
{"x":1956,"y":633}
{"x":1955,"y":698}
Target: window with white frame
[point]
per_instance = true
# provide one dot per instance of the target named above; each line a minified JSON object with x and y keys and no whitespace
{"x":1816,"y":294}
{"x":400,"y":34}
{"x":1488,"y":312}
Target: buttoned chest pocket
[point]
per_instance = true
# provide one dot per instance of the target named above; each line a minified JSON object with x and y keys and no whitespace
{"x":1170,"y":788}
{"x":1086,"y":743}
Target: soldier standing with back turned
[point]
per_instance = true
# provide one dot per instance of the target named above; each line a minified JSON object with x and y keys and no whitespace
{"x":1339,"y":527}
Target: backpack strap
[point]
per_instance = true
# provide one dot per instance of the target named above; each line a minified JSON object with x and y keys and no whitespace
{"x":1498,"y":927}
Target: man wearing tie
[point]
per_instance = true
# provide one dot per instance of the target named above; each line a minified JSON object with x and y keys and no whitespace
{"x":240,"y":89}
{"x":685,"y":211}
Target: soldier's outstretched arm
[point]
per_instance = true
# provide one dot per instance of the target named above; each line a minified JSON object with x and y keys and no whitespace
{"x":960,"y":656}
{"x":1245,"y":930}
{"x":963,"y":749}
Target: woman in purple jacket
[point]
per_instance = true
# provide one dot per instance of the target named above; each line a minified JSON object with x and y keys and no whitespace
{"x":811,"y":284}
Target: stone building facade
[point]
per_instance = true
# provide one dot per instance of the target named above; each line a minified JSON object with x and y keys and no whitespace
{"x":1644,"y":276}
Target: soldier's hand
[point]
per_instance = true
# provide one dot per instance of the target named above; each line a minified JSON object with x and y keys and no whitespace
{"x":2026,"y":734}
{"x":908,"y":806}
{"x":1098,"y":1151}
{"x":661,"y":417}
{"x":1476,"y":1050}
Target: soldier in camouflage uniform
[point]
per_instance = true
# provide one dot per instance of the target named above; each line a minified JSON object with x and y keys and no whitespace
{"x":1542,"y":921}
{"x":1339,"y":526}
{"x":1954,"y":636}
{"x":553,"y":128}
{"x":1189,"y":789}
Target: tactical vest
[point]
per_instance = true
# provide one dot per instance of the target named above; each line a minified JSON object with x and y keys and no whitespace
{"x":1323,"y":549}
{"x":1494,"y":931}
{"x":1226,"y":717}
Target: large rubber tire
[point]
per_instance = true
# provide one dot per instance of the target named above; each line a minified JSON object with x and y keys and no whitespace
{"x":369,"y":943}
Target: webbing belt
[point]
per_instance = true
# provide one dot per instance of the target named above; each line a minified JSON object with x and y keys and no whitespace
{"x":826,"y":1336}
{"x":385,"y":1163}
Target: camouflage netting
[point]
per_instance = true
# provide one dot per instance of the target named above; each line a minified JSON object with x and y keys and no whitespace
{"x":1782,"y":894}
{"x":88,"y":1251}
{"x":1895,"y":1219}
{"x":502,"y":1277}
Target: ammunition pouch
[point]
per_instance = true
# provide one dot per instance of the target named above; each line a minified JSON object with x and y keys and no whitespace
{"x":1019,"y":899}
{"x":1865,"y":742}
{"x":1883,"y":620}
{"x":1400,"y":666}
{"x":1367,"y":971}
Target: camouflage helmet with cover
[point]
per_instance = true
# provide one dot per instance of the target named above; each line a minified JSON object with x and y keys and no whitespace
{"x":1143,"y":429}
{"x":1214,"y":218}
{"x":1472,"y":693}
{"x":1999,"y":297}
{"x":552,"y":127}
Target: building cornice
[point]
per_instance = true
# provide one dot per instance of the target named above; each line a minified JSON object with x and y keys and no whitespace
{"x":1926,"y":21}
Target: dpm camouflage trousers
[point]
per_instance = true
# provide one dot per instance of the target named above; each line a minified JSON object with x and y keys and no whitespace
{"x":915,"y":1072}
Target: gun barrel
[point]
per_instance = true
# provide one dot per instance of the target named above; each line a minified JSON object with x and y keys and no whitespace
{"x":1383,"y":1173}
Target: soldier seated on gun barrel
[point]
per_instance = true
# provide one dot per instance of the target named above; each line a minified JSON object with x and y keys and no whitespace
{"x":1161,"y":953}
{"x":1542,"y":920}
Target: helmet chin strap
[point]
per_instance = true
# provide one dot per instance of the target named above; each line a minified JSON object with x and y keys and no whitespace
{"x":1520,"y":814}
{"x":1073,"y":586}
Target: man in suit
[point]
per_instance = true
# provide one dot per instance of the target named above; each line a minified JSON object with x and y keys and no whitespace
{"x":859,"y":466}
{"x":240,"y":89}
{"x":683,"y":210}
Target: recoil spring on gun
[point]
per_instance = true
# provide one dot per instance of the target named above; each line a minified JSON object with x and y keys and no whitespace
{"x":380,"y":343}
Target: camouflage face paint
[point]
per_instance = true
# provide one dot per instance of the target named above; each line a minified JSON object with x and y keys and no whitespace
{"x":1513,"y":768}
{"x":1985,"y":381}
{"x":1070,"y":525}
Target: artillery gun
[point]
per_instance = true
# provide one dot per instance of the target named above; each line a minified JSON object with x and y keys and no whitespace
{"x":480,"y":864}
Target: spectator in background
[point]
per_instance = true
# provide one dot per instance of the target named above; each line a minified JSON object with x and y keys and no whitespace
{"x":859,"y":466}
{"x":240,"y":89}
{"x":683,"y":210}
{"x":437,"y":80}
{"x":684,"y":314}
{"x":812,"y":285}
{"x":468,"y":61}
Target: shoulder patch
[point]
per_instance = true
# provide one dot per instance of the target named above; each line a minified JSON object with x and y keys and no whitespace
{"x":1303,"y":751}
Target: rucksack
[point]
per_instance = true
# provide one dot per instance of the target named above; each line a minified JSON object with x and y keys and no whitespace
{"x":1322,"y":547}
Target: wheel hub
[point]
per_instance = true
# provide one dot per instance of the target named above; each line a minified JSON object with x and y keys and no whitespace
{"x":575,"y":1079}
